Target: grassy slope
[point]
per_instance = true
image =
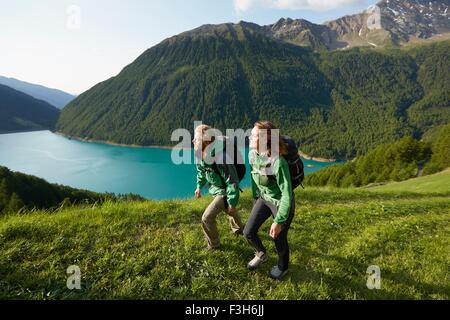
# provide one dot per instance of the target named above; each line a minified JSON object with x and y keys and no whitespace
{"x":437,"y":183}
{"x":154,"y":250}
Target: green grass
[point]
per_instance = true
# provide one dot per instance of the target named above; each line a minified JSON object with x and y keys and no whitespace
{"x":439,"y":183}
{"x":155,"y":250}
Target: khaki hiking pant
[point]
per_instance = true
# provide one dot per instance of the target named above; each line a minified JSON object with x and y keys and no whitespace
{"x":209,"y":221}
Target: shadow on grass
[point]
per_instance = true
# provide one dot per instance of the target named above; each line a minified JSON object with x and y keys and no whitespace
{"x":353,"y":280}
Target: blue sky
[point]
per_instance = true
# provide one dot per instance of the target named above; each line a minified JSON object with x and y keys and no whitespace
{"x":74,"y":44}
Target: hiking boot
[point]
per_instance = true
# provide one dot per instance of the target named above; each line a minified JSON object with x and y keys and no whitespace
{"x":277,"y":274}
{"x":260,"y":258}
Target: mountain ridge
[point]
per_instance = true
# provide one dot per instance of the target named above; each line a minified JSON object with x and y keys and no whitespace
{"x":55,"y":97}
{"x":336,"y":104}
{"x":21,"y":112}
{"x":387,"y":23}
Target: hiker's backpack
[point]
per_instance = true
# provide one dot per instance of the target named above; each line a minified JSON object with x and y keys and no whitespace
{"x":295,"y":162}
{"x":238,"y":163}
{"x":238,"y":160}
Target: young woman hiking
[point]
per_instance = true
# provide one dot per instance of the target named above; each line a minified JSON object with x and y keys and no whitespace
{"x":273,"y":197}
{"x":223,"y":181}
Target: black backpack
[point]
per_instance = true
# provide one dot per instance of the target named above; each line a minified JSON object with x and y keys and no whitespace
{"x":238,"y":161}
{"x":295,"y":162}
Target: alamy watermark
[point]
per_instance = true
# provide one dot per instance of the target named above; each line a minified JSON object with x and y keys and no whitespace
{"x":74,"y":279}
{"x":234,"y":141}
{"x":73,"y":21}
{"x":374,"y":19}
{"x":374,"y":278}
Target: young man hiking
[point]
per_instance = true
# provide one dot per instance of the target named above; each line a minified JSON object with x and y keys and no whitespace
{"x":223,"y":180}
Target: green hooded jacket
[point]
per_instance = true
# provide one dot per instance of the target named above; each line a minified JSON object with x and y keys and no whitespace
{"x":207,"y":175}
{"x":273,"y":186}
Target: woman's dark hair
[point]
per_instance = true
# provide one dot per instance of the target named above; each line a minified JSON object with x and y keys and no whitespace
{"x":268,"y":127}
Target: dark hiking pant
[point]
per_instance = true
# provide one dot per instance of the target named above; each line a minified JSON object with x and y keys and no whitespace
{"x":263,"y":210}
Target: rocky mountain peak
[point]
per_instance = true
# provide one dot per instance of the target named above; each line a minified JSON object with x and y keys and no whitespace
{"x":389,"y":22}
{"x":415,"y":18}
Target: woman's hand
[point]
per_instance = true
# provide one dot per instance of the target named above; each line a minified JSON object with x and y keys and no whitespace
{"x":198,"y":193}
{"x":275,"y":230}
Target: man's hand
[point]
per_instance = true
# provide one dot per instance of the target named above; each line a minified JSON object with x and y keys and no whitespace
{"x":198,"y":194}
{"x":231,"y":211}
{"x":275,"y":230}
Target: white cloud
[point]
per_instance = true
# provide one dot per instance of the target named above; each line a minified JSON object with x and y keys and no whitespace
{"x":244,"y":5}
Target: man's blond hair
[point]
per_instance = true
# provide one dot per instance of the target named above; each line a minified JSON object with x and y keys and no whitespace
{"x":205,"y":132}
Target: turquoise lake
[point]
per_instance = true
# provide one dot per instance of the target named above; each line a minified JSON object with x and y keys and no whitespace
{"x":148,"y":172}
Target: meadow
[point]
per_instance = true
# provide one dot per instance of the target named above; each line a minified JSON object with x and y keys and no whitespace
{"x":156,"y":249}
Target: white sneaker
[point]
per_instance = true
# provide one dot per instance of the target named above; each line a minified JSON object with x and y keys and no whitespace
{"x":260,"y":258}
{"x":277,"y":274}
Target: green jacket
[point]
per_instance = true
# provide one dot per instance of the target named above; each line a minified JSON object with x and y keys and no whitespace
{"x":274,"y":187}
{"x":206,"y":174}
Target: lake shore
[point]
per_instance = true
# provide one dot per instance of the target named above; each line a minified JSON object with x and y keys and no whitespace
{"x":118,"y":144}
{"x":302,"y":154}
{"x":317,"y":159}
{"x":106,"y":168}
{"x":21,"y":131}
